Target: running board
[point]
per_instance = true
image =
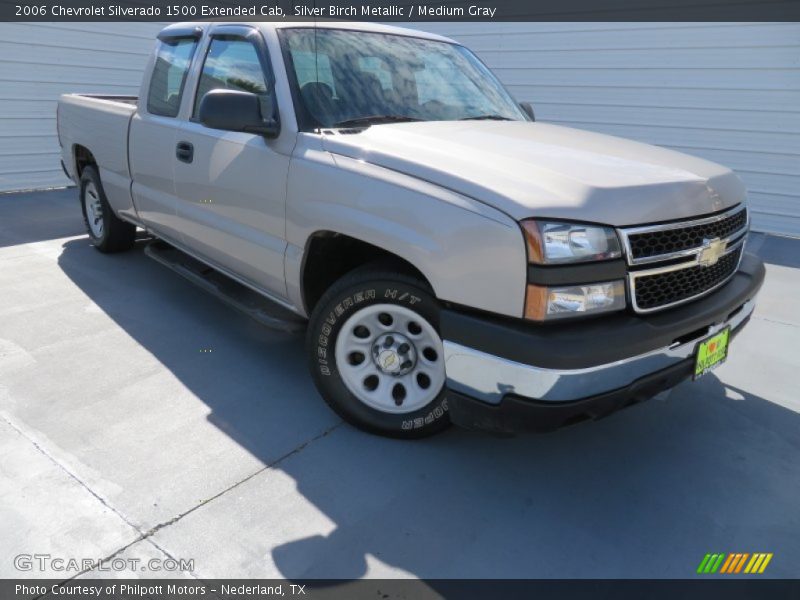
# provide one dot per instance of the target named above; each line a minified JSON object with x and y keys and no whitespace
{"x":233,"y":293}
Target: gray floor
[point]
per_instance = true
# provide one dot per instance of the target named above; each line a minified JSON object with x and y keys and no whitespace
{"x":141,"y":418}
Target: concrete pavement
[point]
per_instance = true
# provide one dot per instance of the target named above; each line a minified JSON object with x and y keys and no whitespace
{"x":141,"y":418}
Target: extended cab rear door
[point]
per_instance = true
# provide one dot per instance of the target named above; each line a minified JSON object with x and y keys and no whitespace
{"x":231,"y":186}
{"x":151,"y":143}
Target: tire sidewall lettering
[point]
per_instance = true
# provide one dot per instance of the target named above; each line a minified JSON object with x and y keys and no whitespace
{"x":417,"y":423}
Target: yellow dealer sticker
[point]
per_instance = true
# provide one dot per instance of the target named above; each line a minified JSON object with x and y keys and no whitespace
{"x":712,"y":352}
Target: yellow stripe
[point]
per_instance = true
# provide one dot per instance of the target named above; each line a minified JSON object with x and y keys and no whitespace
{"x":741,"y":562}
{"x":752,"y":562}
{"x":765,"y":563}
{"x":727,"y":562}
{"x":761,"y":558}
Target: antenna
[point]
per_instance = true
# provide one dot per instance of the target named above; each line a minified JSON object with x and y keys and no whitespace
{"x":316,"y":50}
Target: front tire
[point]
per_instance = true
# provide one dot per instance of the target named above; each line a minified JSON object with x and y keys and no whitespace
{"x":108,"y":232}
{"x":376,"y":356}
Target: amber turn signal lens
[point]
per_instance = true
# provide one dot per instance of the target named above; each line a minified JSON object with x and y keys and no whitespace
{"x":533,"y":241}
{"x":536,"y":302}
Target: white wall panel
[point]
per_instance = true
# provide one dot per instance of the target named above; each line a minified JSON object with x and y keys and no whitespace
{"x":39,"y":62}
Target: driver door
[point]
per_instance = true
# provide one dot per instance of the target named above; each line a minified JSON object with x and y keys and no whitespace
{"x":231,"y":186}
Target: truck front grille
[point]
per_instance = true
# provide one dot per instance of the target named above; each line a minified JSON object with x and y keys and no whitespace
{"x":674,"y":263}
{"x":666,"y":241}
{"x":672,"y":287}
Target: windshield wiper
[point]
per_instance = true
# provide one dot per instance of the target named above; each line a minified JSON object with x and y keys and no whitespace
{"x":374,"y":120}
{"x":486,"y":118}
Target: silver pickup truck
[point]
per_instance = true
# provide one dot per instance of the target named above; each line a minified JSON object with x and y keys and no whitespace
{"x":452,"y":259}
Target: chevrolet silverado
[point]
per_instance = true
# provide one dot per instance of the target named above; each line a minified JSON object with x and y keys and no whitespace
{"x":451,"y":258}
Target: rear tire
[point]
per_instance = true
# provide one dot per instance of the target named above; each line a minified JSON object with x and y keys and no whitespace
{"x":108,"y":232}
{"x":376,"y":356}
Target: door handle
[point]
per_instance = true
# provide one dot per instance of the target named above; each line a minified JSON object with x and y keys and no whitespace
{"x":184,"y":151}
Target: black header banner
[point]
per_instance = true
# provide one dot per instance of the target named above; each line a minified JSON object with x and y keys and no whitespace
{"x":400,"y":10}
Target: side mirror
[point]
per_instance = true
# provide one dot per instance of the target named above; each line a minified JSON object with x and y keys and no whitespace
{"x":528,"y":108}
{"x":233,"y":110}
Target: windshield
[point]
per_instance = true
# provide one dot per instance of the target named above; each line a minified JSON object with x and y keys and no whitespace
{"x":351,"y":78}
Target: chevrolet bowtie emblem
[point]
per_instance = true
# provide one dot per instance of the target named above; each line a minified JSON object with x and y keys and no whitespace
{"x":712,"y":251}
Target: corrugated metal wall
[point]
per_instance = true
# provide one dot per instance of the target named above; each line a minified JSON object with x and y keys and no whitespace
{"x":38,"y":62}
{"x":727,"y":92}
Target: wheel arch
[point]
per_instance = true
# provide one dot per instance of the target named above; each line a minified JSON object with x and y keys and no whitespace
{"x":329,"y":255}
{"x":82,"y":158}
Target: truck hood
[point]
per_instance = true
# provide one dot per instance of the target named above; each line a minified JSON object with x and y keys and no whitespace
{"x":542,"y":170}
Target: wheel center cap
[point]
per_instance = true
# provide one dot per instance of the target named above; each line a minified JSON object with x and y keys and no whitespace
{"x":394,"y":354}
{"x":389,"y":361}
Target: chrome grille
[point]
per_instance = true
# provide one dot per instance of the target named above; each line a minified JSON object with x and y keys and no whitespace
{"x":671,"y":287}
{"x":666,"y":241}
{"x":674,"y":263}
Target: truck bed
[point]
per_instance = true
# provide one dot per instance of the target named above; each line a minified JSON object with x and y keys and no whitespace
{"x":99,"y":124}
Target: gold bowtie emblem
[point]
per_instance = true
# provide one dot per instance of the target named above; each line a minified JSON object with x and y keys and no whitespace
{"x":712,"y":251}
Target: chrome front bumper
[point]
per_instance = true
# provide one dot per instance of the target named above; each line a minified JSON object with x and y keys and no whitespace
{"x":489,"y":378}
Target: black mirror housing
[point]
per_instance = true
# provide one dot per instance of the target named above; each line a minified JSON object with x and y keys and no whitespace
{"x":234,"y":110}
{"x":528,"y":108}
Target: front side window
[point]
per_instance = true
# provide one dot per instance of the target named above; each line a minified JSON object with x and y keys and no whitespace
{"x":342,"y":76}
{"x":231,"y":64}
{"x":169,"y":76}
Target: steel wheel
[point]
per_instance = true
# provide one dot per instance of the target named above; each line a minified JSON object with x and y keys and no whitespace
{"x":390,"y":358}
{"x":107,"y":231}
{"x":94,"y":210}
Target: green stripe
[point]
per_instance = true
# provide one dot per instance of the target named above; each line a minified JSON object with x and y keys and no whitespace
{"x":718,"y":563}
{"x":703,"y":563}
{"x":711,"y":561}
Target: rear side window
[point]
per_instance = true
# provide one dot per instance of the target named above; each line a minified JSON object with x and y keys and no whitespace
{"x":231,"y":64}
{"x":169,"y":76}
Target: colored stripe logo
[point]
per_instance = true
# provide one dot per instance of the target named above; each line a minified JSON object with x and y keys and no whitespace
{"x":734,"y":562}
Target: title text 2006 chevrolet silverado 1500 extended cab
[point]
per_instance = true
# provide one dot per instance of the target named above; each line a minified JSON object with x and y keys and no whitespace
{"x":455,"y":260}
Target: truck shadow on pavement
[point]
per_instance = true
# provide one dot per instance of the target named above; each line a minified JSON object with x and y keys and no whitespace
{"x":644,"y":493}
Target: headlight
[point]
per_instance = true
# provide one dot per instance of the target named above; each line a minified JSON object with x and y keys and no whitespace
{"x":546,"y":303}
{"x":554,"y":243}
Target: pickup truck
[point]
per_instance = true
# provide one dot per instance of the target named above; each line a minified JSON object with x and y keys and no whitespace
{"x":451,"y":258}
